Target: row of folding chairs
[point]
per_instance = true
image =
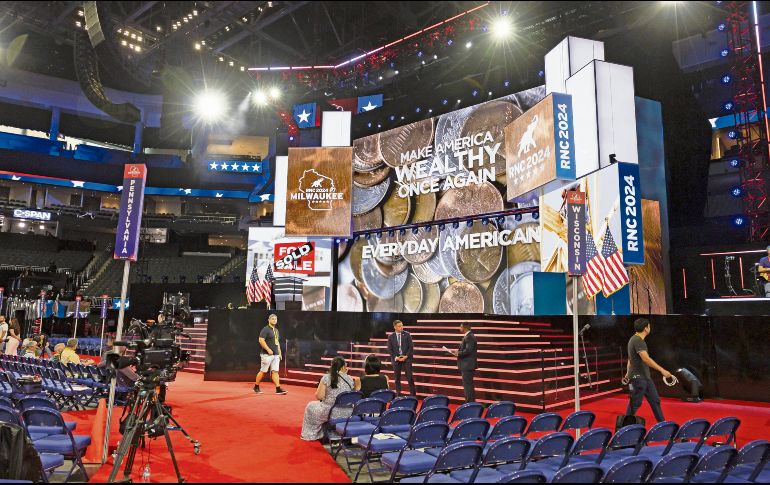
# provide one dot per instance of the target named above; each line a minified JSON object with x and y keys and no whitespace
{"x":86,"y":345}
{"x":50,"y":434}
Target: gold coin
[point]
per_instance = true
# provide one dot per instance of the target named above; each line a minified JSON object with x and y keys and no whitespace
{"x":396,"y":210}
{"x":420,"y":257}
{"x":467,"y":201}
{"x":521,"y":251}
{"x":393,"y":144}
{"x":492,"y":117}
{"x":481,"y":264}
{"x":430,"y":299}
{"x":370,"y":179}
{"x":425,"y":208}
{"x":462,"y":297}
{"x":389,"y":270}
{"x":366,"y":222}
{"x":410,"y":298}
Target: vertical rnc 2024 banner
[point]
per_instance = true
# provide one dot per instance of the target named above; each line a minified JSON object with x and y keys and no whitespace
{"x":130,"y":218}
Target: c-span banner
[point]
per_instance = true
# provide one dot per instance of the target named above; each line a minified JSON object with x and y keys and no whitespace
{"x":130,"y":218}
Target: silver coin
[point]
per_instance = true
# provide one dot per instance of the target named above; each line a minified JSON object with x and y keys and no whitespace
{"x":443,"y":284}
{"x":506,"y":295}
{"x":447,"y":130}
{"x":523,"y":295}
{"x":430,"y":272}
{"x":367,"y":198}
{"x":378,"y":285}
{"x":349,"y":299}
{"x":449,"y":256}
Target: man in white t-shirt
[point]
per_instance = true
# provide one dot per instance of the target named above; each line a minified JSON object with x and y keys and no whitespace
{"x":3,"y":332}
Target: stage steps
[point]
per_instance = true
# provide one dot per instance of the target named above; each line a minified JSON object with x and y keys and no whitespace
{"x":196,"y":344}
{"x":529,"y":363}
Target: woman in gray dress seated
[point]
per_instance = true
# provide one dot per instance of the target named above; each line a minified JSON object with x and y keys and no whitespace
{"x":332,"y":384}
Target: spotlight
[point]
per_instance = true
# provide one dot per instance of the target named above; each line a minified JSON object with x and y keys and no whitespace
{"x":275,"y":93}
{"x":435,"y":57}
{"x":690,"y":384}
{"x":158,"y":28}
{"x":484,"y":221}
{"x":441,"y":227}
{"x":428,"y":228}
{"x":243,"y":68}
{"x":221,"y":59}
{"x":379,"y":125}
{"x":517,"y":217}
{"x":722,"y":27}
{"x":197,"y":46}
{"x":195,"y":13}
{"x":728,"y":106}
{"x":449,"y":42}
{"x":419,"y":53}
{"x":78,"y":23}
{"x":455,"y":224}
{"x":540,"y":73}
{"x":369,"y":125}
{"x":468,"y":45}
{"x":368,"y":236}
{"x":392,"y":117}
{"x":506,"y":83}
{"x":415,"y":230}
{"x":501,"y":220}
{"x":737,"y":192}
{"x":260,"y":98}
{"x":475,"y":92}
{"x":726,"y":79}
{"x":444,"y":101}
{"x":139,"y":38}
{"x":402,"y":232}
{"x":430,"y":110}
{"x":231,"y":63}
{"x":459,"y":101}
{"x":291,"y":138}
{"x":402,"y":117}
{"x":735,"y":163}
{"x":138,"y":49}
{"x":469,"y":224}
{"x":417,"y":109}
{"x":739,"y":221}
{"x":724,"y":53}
{"x":732,"y":134}
{"x":395,"y":72}
{"x":489,"y":93}
{"x":535,"y":215}
{"x":210,"y":106}
{"x":501,"y":28}
{"x":380,"y":78}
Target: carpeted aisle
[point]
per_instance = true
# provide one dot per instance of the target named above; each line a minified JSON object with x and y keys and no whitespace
{"x":245,"y":437}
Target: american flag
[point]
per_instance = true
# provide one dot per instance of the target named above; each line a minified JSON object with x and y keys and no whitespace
{"x":267,"y":285}
{"x":253,"y":289}
{"x":615,"y":274}
{"x":593,"y":278}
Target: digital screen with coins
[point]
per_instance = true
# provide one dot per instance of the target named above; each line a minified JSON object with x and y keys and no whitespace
{"x":446,"y":167}
{"x":481,"y":268}
{"x":318,"y":195}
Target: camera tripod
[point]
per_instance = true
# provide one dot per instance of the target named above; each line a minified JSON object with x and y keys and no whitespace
{"x":147,"y":415}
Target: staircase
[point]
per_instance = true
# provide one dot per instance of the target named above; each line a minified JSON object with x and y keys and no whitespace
{"x":529,"y":363}
{"x":196,"y":344}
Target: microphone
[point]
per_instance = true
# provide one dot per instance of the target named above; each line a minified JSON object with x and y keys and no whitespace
{"x":583,"y":330}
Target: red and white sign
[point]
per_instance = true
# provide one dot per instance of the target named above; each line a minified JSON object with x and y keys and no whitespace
{"x":295,"y":257}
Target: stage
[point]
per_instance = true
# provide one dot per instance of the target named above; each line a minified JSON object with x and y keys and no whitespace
{"x":255,"y":438}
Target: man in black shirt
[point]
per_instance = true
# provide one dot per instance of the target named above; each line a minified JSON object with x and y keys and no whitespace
{"x":638,"y":373}
{"x":401,"y":352}
{"x":269,"y":354}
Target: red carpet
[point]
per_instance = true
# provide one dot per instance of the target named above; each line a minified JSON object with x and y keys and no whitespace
{"x":250,"y":438}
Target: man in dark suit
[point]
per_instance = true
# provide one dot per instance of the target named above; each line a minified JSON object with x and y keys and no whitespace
{"x":467,"y":361}
{"x":401,"y":352}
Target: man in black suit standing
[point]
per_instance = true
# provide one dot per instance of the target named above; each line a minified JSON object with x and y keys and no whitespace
{"x":401,"y":352}
{"x":467,"y":361}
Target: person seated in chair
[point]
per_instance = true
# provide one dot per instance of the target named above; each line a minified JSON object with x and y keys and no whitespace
{"x":372,"y":380}
{"x":57,"y":350}
{"x":332,"y":384}
{"x":69,"y":355}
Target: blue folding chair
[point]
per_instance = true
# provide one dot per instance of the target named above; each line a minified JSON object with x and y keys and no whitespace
{"x":467,"y":411}
{"x":472,"y":429}
{"x":372,"y":445}
{"x":507,"y":426}
{"x":64,"y":443}
{"x":524,"y":476}
{"x":385,"y":395}
{"x":4,"y":401}
{"x":457,"y":456}
{"x":589,"y":448}
{"x":724,"y":427}
{"x":500,"y":409}
{"x":578,"y":420}
{"x":404,"y":402}
{"x":544,"y":423}
{"x":42,"y":402}
{"x":749,"y":464}
{"x":343,"y":404}
{"x":12,"y":416}
{"x":578,"y":473}
{"x":505,"y":451}
{"x":675,"y":467}
{"x":633,"y":469}
{"x":355,"y":424}
{"x":409,"y":460}
{"x":547,"y":453}
{"x":662,"y":432}
{"x":626,"y":438}
{"x":713,"y":466}
{"x":435,"y":400}
{"x":429,"y":415}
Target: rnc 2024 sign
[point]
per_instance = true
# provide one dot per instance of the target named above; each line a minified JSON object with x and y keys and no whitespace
{"x":540,"y":146}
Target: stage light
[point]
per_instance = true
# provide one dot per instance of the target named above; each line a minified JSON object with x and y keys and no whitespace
{"x":417,"y":109}
{"x":390,"y":233}
{"x":402,"y":117}
{"x":22,"y":224}
{"x":221,"y":59}
{"x":415,"y":230}
{"x":210,"y":106}
{"x":468,"y":45}
{"x":459,"y":101}
{"x":259,"y":97}
{"x":139,"y":38}
{"x":195,"y":13}
{"x":728,"y":106}
{"x":368,"y":236}
{"x":444,"y":101}
{"x":402,"y":232}
{"x":441,"y":227}
{"x":419,"y":53}
{"x":737,"y":192}
{"x":469,"y":224}
{"x":275,"y":93}
{"x":502,"y":28}
{"x":732,"y":134}
{"x":197,"y":46}
{"x":138,"y":49}
{"x":726,"y":79}
{"x":449,"y":42}
{"x":395,"y":72}
{"x":517,"y":217}
{"x":722,"y":27}
{"x":123,"y":43}
{"x":80,"y":13}
{"x":428,"y":228}
{"x":158,"y":28}
{"x":379,"y":125}
{"x":369,"y":125}
{"x":78,"y":23}
{"x":231,"y":63}
{"x":501,"y":220}
{"x":291,"y":138}
{"x":506,"y":83}
{"x":392,"y":118}
{"x":735,"y":163}
{"x":422,"y":62}
{"x":535,"y":215}
{"x":380,"y":78}
{"x":475,"y":92}
{"x":484,"y":221}
{"x":455,"y":224}
{"x":739,"y":221}
{"x":690,"y":384}
{"x":430,"y":110}
{"x":540,"y":73}
{"x":243,"y":68}
{"x":724,"y":53}
{"x":489,"y":93}
{"x":435,"y":57}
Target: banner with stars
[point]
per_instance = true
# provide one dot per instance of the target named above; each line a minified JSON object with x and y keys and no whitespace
{"x":235,"y":166}
{"x":368,"y":103}
{"x":307,"y":115}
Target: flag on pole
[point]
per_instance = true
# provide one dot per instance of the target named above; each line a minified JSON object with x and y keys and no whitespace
{"x":306,"y":115}
{"x":615,"y":274}
{"x":266,"y":285}
{"x":593,"y":278}
{"x":253,"y":289}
